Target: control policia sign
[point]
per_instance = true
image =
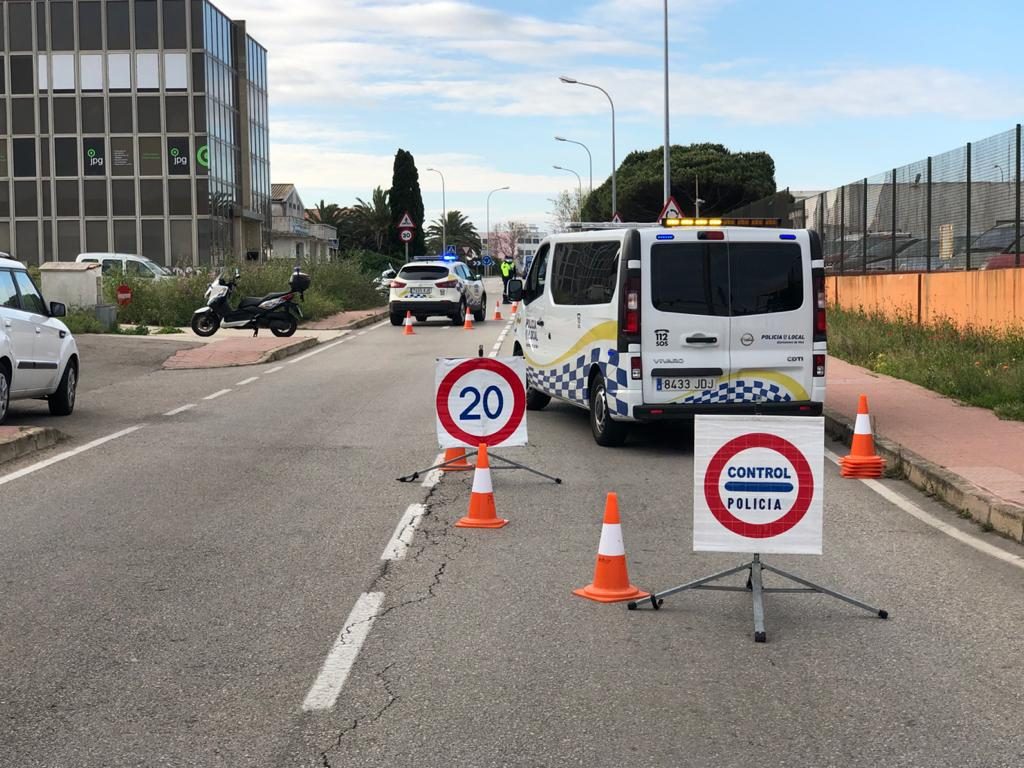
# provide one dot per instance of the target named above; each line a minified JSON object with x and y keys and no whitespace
{"x":758,"y":484}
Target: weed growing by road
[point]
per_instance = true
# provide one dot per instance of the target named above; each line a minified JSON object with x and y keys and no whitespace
{"x":979,"y":367}
{"x":81,"y":321}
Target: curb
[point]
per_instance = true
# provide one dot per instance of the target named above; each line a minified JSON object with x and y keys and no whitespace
{"x":287,"y":351}
{"x":27,"y":440}
{"x":355,"y":324}
{"x":964,"y":496}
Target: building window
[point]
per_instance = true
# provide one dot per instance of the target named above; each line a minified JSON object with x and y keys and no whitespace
{"x":67,"y":197}
{"x":146,"y":24}
{"x":150,"y":157}
{"x":151,"y":197}
{"x":20,"y":25}
{"x":147,"y":71}
{"x":24,"y":151}
{"x":95,"y":198}
{"x":68,"y":240}
{"x":90,"y":26}
{"x":62,"y":25}
{"x":43,"y":73}
{"x":123,"y":201}
{"x":91,"y":72}
{"x":149,"y":114}
{"x":181,"y":243}
{"x":176,"y":71}
{"x":25,"y":203}
{"x":153,"y":239}
{"x":22,"y":80}
{"x":174,"y":24}
{"x":176,"y":109}
{"x":23,"y":116}
{"x":119,"y":71}
{"x":122,"y":156}
{"x":124,"y":237}
{"x":93,"y":115}
{"x":42,"y":41}
{"x":121,"y":115}
{"x":63,"y":72}
{"x":179,"y":197}
{"x":27,"y":233}
{"x":96,"y":237}
{"x":44,"y":116}
{"x":65,"y":157}
{"x":119,"y":31}
{"x":65,"y":115}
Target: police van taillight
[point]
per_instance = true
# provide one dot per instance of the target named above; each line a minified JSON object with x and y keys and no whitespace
{"x":398,"y":284}
{"x":631,"y":307}
{"x":448,"y":284}
{"x":820,"y":324}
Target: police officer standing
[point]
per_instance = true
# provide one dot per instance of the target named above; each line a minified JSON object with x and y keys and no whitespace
{"x":508,"y":271}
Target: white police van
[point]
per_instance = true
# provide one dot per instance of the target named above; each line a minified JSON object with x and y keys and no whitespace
{"x":644,"y":323}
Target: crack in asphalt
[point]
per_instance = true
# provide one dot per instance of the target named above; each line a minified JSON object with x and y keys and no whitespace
{"x":438,"y":540}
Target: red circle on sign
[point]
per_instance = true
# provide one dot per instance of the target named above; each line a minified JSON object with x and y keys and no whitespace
{"x":477,"y":364}
{"x":804,"y":479}
{"x":406,"y":235}
{"x":124,"y":294}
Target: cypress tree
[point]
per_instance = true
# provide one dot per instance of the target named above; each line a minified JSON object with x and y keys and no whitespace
{"x":405,"y":196}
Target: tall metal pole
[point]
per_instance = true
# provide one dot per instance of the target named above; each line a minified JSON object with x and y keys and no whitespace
{"x":573,"y":81}
{"x":668,"y":147}
{"x":590,"y":158}
{"x":444,"y":214}
{"x":499,"y":189}
{"x":579,"y":185}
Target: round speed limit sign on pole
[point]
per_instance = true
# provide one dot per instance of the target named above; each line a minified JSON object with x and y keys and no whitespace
{"x":406,"y":235}
{"x":481,"y":400}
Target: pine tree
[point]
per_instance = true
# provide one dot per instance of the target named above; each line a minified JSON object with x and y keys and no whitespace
{"x":405,"y":196}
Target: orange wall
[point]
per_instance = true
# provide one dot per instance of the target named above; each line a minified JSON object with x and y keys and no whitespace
{"x":985,"y":299}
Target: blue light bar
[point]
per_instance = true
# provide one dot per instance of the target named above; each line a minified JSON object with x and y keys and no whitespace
{"x":666,"y":237}
{"x":787,"y":237}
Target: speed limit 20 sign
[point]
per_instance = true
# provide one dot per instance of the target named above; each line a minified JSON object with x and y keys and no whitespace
{"x":758,"y":484}
{"x":481,"y":400}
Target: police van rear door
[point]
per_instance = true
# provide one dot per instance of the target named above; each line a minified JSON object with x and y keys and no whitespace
{"x":771,"y":334}
{"x":685,"y":324}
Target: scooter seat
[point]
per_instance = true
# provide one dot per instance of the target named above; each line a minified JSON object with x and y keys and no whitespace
{"x":255,"y":301}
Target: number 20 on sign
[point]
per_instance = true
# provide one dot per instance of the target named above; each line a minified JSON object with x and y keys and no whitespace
{"x":481,"y":400}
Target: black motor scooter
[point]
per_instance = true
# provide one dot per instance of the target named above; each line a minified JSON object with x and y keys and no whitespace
{"x":276,"y":311}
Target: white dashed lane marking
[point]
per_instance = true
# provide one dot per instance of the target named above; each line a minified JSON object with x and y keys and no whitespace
{"x":217,"y":394}
{"x":66,"y":455}
{"x":180,"y":409}
{"x":275,"y":369}
{"x":401,"y":539}
{"x":250,"y":380}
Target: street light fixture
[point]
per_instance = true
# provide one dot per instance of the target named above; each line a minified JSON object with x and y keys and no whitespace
{"x":574,"y":81}
{"x":590,"y":158}
{"x":1001,"y":177}
{"x":499,"y":189}
{"x":444,"y":214}
{"x":579,"y":185}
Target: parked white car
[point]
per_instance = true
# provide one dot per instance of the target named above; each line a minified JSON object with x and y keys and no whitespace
{"x":130,"y":264}
{"x":38,"y":354}
{"x":430,"y":287}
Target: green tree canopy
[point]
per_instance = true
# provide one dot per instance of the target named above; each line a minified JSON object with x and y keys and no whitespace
{"x":727,"y":181}
{"x":370,"y":222}
{"x":324,"y":213}
{"x":405,"y":196}
{"x":459,"y":231}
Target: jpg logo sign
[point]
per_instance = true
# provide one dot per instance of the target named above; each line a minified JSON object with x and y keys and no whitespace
{"x":95,"y":157}
{"x":178,"y":156}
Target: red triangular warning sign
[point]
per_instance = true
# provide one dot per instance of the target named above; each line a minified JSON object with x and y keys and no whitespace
{"x":671,"y":210}
{"x":406,"y":222}
{"x":616,"y":219}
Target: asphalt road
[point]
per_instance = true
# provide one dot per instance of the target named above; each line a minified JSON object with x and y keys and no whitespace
{"x":170,"y":596}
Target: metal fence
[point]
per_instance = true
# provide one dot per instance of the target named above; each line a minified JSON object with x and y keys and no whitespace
{"x":960,"y":210}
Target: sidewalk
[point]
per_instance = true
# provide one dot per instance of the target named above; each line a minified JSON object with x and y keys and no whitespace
{"x":965,"y":455}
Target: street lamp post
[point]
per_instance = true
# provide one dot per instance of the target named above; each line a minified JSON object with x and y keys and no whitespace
{"x":590,"y":158}
{"x":444,"y":214}
{"x":573,"y":81}
{"x":499,"y":189}
{"x":579,"y":186}
{"x":668,"y":148}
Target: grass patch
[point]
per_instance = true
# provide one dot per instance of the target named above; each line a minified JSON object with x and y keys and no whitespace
{"x":984,"y":368}
{"x":133,"y":330}
{"x":336,"y":287}
{"x":81,"y":321}
{"x":167,"y":329}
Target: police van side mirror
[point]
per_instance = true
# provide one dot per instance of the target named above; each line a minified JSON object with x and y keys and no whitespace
{"x":515,"y":289}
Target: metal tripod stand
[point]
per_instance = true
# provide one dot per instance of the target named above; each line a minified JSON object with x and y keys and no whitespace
{"x":757,"y":590}
{"x":507,"y":464}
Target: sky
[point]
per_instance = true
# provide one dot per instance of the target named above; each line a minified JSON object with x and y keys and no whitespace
{"x":833,"y":90}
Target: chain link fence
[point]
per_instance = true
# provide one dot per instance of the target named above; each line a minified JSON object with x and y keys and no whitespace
{"x":960,"y":210}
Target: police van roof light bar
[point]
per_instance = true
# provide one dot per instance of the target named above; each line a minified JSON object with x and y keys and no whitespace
{"x":680,"y":222}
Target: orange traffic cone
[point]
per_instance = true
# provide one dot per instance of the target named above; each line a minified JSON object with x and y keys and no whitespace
{"x":862,"y":462}
{"x":611,"y":582}
{"x":408,"y":331}
{"x":457,"y":459}
{"x":515,"y":308}
{"x":481,"y":500}
{"x":497,"y":309}
{"x":468,"y":325}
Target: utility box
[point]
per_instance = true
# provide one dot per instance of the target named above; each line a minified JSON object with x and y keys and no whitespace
{"x":72,"y":283}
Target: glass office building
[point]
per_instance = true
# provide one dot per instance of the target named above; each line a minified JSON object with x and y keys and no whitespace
{"x":137,"y":126}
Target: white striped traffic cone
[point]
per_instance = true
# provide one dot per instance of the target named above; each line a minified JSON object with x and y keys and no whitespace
{"x":862,"y":462}
{"x":481,"y":501}
{"x":611,"y":581}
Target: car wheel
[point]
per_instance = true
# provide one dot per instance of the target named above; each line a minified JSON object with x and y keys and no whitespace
{"x":460,"y":314}
{"x":480,"y":313}
{"x":396,"y":319}
{"x":205,"y":324}
{"x":5,"y":391}
{"x":62,"y":402}
{"x":606,"y":431}
{"x":421,"y":318}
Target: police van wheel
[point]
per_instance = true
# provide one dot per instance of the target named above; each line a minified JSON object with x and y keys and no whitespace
{"x":460,"y":314}
{"x":536,"y":400}
{"x":606,"y":431}
{"x":480,"y":313}
{"x":397,"y":319}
